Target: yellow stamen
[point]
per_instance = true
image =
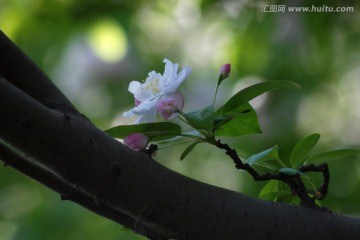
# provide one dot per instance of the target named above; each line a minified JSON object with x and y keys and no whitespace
{"x":152,"y":85}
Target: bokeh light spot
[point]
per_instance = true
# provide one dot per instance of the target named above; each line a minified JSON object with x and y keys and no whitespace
{"x":107,"y":40}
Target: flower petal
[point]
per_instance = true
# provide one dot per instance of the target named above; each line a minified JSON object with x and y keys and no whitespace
{"x":154,"y":75}
{"x":179,"y":78}
{"x":147,"y":117}
{"x":145,"y":110}
{"x":169,"y":75}
{"x":145,"y":106}
{"x":170,"y":71}
{"x":129,"y":113}
{"x":139,"y":91}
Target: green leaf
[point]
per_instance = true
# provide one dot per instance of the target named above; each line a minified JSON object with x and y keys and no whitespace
{"x":334,"y":154}
{"x":290,"y":171}
{"x":274,"y":196}
{"x":289,"y":199}
{"x":203,"y":119}
{"x":272,"y":190}
{"x":247,"y":94}
{"x":193,"y":133}
{"x":318,"y":202}
{"x":188,"y":150}
{"x":237,"y":121}
{"x":219,"y":121}
{"x":302,"y":149}
{"x":243,"y":121}
{"x":266,"y":165}
{"x":165,"y":139}
{"x":269,"y":154}
{"x":155,"y":131}
{"x":270,"y":187}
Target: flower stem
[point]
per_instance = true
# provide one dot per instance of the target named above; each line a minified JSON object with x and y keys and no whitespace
{"x":176,"y":144}
{"x":216,"y":90}
{"x":281,"y":162}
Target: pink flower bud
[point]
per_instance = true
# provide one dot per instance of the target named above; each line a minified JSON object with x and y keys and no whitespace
{"x":136,"y":141}
{"x":169,"y":106}
{"x":137,"y":102}
{"x":224,"y":71}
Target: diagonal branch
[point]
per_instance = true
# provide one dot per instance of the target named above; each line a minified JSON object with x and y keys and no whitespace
{"x":66,"y":191}
{"x":165,"y":204}
{"x":162,"y":201}
{"x":18,"y":69}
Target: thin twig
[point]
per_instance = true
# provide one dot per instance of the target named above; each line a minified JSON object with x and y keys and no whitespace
{"x":293,"y":181}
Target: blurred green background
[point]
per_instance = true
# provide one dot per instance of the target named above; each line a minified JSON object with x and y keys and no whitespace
{"x":92,"y":49}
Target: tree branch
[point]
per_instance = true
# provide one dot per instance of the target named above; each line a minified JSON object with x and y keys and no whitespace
{"x":164,"y":203}
{"x":323,"y":167}
{"x":17,"y":68}
{"x":66,"y":191}
{"x":293,"y":181}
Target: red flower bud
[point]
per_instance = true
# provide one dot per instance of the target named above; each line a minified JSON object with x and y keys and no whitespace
{"x":168,"y":107}
{"x":224,"y":71}
{"x":136,"y":141}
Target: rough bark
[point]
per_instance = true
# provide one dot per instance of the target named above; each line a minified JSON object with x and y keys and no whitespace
{"x":66,"y":152}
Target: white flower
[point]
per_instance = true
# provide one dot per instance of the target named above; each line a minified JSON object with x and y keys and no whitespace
{"x":155,"y":88}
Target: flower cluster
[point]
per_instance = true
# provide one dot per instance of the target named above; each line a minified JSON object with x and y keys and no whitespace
{"x":158,"y":93}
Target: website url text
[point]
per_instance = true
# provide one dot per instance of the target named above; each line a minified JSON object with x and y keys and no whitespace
{"x":283,"y":8}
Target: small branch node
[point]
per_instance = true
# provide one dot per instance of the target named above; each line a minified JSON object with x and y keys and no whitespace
{"x":295,"y":182}
{"x":151,"y":150}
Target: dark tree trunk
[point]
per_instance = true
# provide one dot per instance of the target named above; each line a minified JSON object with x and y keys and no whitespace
{"x":44,"y":137}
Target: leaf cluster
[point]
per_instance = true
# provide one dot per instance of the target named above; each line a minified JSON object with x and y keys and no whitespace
{"x":299,"y":157}
{"x":234,"y":119}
